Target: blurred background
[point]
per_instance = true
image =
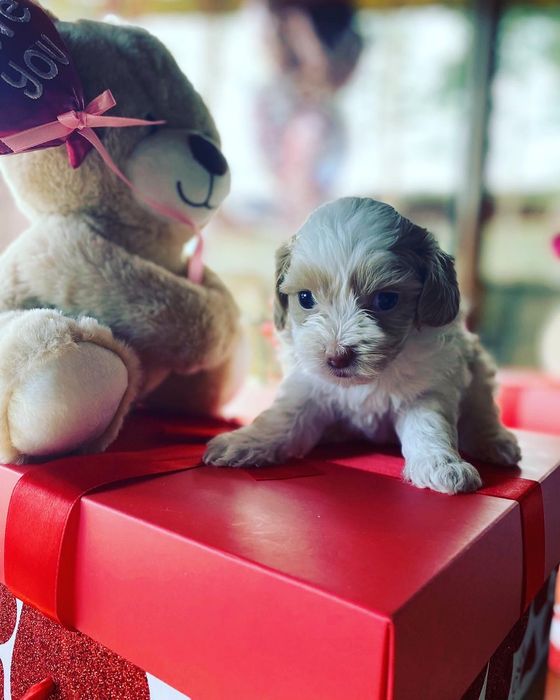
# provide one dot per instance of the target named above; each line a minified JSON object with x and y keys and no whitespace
{"x":448,"y":111}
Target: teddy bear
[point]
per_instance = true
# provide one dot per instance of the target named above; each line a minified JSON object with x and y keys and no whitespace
{"x":97,"y":312}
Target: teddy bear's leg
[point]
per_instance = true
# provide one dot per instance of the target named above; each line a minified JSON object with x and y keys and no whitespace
{"x":65,"y":384}
{"x":203,"y":393}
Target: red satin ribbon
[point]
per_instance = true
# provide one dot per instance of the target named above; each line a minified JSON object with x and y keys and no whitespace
{"x":43,"y":513}
{"x":41,"y":690}
{"x":528,"y":495}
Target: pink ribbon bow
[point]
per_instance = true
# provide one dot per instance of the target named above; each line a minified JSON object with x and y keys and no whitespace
{"x":83,"y":122}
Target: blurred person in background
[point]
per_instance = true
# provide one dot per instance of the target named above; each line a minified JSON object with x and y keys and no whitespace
{"x":315,"y":48}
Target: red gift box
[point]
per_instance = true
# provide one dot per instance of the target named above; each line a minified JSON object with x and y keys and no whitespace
{"x":73,"y":666}
{"x":529,"y":400}
{"x":325,"y":578}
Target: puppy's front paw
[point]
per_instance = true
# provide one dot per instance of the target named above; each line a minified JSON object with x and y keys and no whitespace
{"x":242,"y":448}
{"x":445,"y":473}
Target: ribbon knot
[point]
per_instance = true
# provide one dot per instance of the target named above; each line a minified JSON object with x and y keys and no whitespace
{"x":74,"y":120}
{"x":91,"y":115}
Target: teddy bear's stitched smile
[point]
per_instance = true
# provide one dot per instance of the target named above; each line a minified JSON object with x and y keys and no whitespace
{"x":204,"y":204}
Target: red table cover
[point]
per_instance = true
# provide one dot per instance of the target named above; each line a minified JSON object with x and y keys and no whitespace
{"x":329,"y":579}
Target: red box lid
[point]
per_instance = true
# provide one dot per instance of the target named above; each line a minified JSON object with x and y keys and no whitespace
{"x":345,"y":583}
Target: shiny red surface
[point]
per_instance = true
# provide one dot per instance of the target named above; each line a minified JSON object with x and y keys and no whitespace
{"x":343,"y":584}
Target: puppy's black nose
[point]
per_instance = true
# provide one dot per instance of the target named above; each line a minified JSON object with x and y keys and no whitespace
{"x":341,"y":359}
{"x":208,"y":155}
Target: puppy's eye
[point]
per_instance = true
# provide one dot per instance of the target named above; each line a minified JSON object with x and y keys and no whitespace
{"x":306,"y":299}
{"x":384,"y":301}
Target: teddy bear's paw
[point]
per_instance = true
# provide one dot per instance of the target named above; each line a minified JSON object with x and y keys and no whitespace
{"x":67,"y":401}
{"x":65,"y":384}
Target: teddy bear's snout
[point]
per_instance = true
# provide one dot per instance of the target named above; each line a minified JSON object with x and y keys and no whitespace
{"x":181,"y":168}
{"x":207,"y":154}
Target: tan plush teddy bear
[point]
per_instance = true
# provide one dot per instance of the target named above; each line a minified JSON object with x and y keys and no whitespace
{"x":96,"y":310}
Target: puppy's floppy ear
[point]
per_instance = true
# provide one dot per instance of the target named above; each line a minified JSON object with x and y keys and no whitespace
{"x":283,"y":255}
{"x":439,"y":300}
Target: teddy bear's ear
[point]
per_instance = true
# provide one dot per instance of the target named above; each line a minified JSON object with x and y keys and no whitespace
{"x":283,"y":256}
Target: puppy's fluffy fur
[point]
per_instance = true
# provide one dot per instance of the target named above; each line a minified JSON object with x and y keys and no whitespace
{"x":412,"y":370}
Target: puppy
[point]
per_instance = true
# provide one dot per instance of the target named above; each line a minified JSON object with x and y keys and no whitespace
{"x":367,"y":307}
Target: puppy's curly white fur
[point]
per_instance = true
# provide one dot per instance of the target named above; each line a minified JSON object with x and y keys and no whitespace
{"x":367,"y":307}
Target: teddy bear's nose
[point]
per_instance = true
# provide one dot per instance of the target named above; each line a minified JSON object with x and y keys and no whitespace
{"x":205,"y":153}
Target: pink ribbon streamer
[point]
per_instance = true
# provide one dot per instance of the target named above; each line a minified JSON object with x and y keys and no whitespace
{"x":84,"y":122}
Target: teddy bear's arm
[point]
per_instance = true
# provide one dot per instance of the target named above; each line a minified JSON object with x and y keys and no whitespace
{"x":165,"y":317}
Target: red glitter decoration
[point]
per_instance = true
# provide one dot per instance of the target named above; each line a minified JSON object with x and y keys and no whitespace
{"x":556,"y":245}
{"x":81,"y":668}
{"x":7,"y":614}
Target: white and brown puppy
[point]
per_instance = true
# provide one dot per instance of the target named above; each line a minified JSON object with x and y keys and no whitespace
{"x":367,"y":307}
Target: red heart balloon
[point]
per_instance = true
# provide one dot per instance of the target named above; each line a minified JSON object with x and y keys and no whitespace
{"x":38,"y":80}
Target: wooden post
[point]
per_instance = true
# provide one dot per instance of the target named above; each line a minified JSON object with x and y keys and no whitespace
{"x":471,"y":196}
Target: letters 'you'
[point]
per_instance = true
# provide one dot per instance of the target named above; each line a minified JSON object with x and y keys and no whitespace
{"x":38,"y":80}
